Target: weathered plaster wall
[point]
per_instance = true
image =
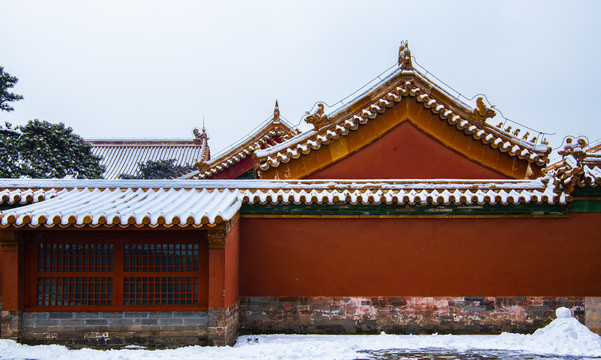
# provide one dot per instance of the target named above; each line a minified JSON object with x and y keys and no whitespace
{"x":401,"y":315}
{"x":593,"y":314}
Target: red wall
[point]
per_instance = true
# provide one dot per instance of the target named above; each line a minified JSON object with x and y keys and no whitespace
{"x":406,"y":153}
{"x":232,"y":260}
{"x":235,"y":170}
{"x":421,"y":257}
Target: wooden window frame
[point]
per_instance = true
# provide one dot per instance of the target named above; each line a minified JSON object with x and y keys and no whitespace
{"x":119,"y":239}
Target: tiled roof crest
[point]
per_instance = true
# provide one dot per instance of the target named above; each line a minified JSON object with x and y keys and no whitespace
{"x":418,"y":86}
{"x":207,"y":203}
{"x":260,"y":138}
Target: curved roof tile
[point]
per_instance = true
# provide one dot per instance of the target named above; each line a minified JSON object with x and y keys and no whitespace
{"x":404,"y":83}
{"x":209,"y":202}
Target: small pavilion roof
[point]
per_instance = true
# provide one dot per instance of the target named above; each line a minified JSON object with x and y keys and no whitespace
{"x":407,"y":82}
{"x":197,"y":203}
{"x":262,"y":137}
{"x":122,"y":156}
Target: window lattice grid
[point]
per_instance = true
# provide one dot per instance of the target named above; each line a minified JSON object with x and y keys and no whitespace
{"x":75,"y":257}
{"x":161,"y":257}
{"x":160,"y":290}
{"x":64,"y":291}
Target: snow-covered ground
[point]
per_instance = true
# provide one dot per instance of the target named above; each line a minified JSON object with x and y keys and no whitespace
{"x":563,"y":336}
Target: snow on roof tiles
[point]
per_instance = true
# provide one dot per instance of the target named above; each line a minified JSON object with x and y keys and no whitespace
{"x":123,"y":156}
{"x":578,"y":166}
{"x":25,"y":196}
{"x":129,"y":206}
{"x":262,"y":137}
{"x":196,"y":203}
{"x":392,"y":89}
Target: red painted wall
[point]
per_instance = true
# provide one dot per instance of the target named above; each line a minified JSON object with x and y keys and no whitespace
{"x":232,"y":260}
{"x":11,"y":277}
{"x":235,"y":170}
{"x":216,"y":278}
{"x":421,"y":257}
{"x":406,"y":153}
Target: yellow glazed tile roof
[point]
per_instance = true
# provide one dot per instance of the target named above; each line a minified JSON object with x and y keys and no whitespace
{"x":404,"y":83}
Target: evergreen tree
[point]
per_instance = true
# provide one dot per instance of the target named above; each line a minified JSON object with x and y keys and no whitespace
{"x":9,"y":155}
{"x":160,"y":169}
{"x":40,"y":149}
{"x":7,"y":82}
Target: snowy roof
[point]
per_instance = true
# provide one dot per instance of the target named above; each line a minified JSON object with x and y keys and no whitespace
{"x":262,"y":137}
{"x":578,"y":167}
{"x":406,"y":82}
{"x":128,"y":206}
{"x":24,"y":196}
{"x":196,"y":203}
{"x":122,"y":156}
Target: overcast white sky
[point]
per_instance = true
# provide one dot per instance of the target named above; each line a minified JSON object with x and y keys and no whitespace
{"x":153,"y":69}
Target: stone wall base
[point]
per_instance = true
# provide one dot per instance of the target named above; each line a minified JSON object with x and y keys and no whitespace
{"x":223,"y":325}
{"x":11,"y":324}
{"x":592,"y":318}
{"x":401,"y":315}
{"x":152,"y":329}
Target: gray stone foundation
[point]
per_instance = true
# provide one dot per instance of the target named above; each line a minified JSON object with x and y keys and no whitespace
{"x":223,"y":325}
{"x":114,"y":329}
{"x":401,"y":315}
{"x":11,"y":324}
{"x":296,"y":315}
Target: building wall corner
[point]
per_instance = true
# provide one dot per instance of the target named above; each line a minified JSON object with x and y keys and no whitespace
{"x":11,"y":324}
{"x":223,"y":325}
{"x":592,"y":314}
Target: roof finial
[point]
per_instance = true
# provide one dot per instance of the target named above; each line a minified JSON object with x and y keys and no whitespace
{"x":319,"y":119}
{"x":481,"y":113}
{"x":276,"y":112}
{"x":199,"y":136}
{"x":405,"y":56}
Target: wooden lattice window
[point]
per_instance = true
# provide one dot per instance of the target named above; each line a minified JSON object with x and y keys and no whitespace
{"x":75,"y":257}
{"x":144,"y":264}
{"x":161,"y":258}
{"x":160,"y":290}
{"x":64,"y":291}
{"x":98,"y":271}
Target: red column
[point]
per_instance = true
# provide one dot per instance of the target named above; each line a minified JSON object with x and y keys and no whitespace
{"x":223,"y":284}
{"x":12,"y":284}
{"x":217,"y":277}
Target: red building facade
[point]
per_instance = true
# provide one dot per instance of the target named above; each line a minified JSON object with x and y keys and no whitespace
{"x":404,"y":211}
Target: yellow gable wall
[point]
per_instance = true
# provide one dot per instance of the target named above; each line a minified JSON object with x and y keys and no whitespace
{"x":370,"y":152}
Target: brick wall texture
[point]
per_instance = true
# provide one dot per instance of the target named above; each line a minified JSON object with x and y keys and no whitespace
{"x":401,"y":315}
{"x":593,"y":314}
{"x":298,"y":315}
{"x":114,"y":329}
{"x":11,"y":324}
{"x":223,"y":325}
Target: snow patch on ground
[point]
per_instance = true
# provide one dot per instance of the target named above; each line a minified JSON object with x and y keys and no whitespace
{"x":564,"y":336}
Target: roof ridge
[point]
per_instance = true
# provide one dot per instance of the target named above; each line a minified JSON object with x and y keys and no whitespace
{"x":196,"y":206}
{"x":402,"y":83}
